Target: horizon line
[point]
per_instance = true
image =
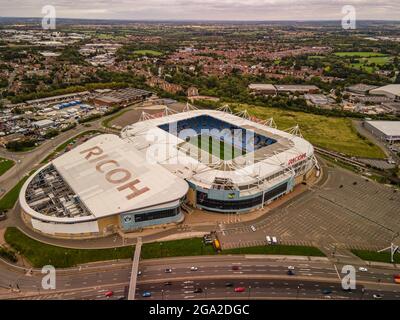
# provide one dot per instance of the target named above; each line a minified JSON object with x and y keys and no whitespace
{"x":201,"y":20}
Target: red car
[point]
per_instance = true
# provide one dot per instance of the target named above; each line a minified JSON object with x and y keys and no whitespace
{"x":109,"y":294}
{"x":240,"y":289}
{"x":235,"y":268}
{"x":396,"y":278}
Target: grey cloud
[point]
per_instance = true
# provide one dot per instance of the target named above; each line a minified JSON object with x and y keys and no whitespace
{"x":205,"y":9}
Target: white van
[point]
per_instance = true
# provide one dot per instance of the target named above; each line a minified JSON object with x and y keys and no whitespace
{"x":274,"y":240}
{"x":268,"y":238}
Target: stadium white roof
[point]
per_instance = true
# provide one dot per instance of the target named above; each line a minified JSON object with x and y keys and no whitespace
{"x":97,"y":185}
{"x":146,"y":135}
{"x":389,"y":128}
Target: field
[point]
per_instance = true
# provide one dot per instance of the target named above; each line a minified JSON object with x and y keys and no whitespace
{"x":222,"y":150}
{"x":8,"y":201}
{"x":5,"y":165}
{"x":359,"y":54}
{"x":367,"y":61}
{"x":148,"y":53}
{"x":336,"y":134}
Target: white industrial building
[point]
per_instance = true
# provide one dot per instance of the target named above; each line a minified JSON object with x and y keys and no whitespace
{"x":388,"y":131}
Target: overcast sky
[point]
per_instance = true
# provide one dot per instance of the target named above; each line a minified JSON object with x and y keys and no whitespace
{"x":204,"y":9}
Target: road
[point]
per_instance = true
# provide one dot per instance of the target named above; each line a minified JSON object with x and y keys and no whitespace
{"x":266,"y":276}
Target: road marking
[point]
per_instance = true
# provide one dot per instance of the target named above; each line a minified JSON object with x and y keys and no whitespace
{"x":337,"y":272}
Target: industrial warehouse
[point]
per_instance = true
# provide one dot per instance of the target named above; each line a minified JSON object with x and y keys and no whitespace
{"x":207,"y":159}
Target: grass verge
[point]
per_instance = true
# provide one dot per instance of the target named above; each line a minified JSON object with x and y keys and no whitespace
{"x":40,"y":254}
{"x":278,"y":249}
{"x":376,"y":256}
{"x":10,"y":198}
{"x":5,"y":165}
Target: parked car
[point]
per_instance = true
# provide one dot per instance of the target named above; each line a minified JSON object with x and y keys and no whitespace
{"x":234,"y":268}
{"x":362,"y":269}
{"x":268,"y":239}
{"x":290,"y":268}
{"x":198,"y":290}
{"x":168,"y":283}
{"x":146,"y":294}
{"x":3,"y":215}
{"x":327,"y":291}
{"x":290,"y":273}
{"x":240,"y":289}
{"x":194,"y":269}
{"x":396,"y":278}
{"x":253,"y":228}
{"x":377,"y":296}
{"x":109,"y":294}
{"x":139,"y":273}
{"x":274,"y":240}
{"x":168,"y":270}
{"x":229,"y":284}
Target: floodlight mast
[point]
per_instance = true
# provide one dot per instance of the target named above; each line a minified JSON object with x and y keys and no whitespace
{"x":393,"y":248}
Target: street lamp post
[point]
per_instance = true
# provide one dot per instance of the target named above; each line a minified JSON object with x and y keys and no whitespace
{"x":161,"y":244}
{"x":362,"y":293}
{"x":162,"y":294}
{"x":297,"y":293}
{"x":249,"y":291}
{"x":205,"y":293}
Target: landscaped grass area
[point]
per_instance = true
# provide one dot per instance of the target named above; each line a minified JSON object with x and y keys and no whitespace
{"x":148,"y":53}
{"x":376,"y":256}
{"x":40,"y":254}
{"x":8,"y":201}
{"x":278,"y":249}
{"x":331,"y":133}
{"x":5,"y":165}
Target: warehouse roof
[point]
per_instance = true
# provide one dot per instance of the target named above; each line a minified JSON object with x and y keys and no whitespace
{"x":389,"y":128}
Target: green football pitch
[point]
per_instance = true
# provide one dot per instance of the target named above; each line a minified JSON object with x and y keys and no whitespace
{"x":220,"y":149}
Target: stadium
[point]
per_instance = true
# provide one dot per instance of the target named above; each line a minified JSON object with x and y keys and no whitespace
{"x":206,"y":159}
